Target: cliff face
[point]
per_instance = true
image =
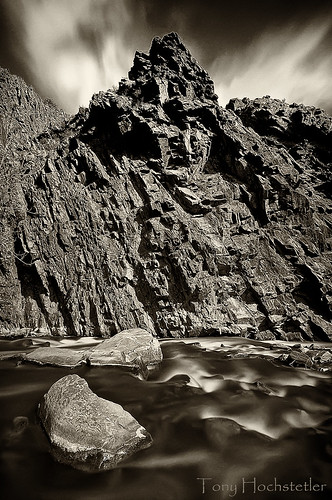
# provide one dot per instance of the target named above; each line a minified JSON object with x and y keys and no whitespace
{"x":159,"y":209}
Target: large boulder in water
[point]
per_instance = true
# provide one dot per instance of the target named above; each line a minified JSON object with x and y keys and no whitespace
{"x":133,"y":346}
{"x":86,"y":431}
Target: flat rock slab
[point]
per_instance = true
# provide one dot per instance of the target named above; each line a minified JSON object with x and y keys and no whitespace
{"x":86,"y":431}
{"x":135,"y":349}
{"x":134,"y":346}
{"x":56,"y":356}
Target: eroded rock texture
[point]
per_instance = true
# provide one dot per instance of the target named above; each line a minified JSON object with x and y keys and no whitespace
{"x":156,"y":208}
{"x":86,"y":431}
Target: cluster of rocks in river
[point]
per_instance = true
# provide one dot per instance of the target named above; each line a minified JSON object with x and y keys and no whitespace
{"x":306,"y":356}
{"x":157,"y":208}
{"x":86,"y":431}
{"x":93,"y":434}
{"x":134,"y":349}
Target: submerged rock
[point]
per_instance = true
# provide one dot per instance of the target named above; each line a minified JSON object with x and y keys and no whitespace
{"x":86,"y":431}
{"x":12,"y":436}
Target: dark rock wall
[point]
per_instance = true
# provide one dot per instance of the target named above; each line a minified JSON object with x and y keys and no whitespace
{"x":159,"y":209}
{"x":24,"y":116}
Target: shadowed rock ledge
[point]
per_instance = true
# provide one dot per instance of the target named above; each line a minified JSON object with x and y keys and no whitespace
{"x":156,"y":208}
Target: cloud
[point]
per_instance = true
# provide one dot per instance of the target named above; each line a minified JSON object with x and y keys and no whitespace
{"x":76,"y":48}
{"x":69,"y":49}
{"x":288,"y":63}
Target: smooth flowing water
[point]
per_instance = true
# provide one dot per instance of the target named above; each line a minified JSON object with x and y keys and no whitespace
{"x":224,"y":426}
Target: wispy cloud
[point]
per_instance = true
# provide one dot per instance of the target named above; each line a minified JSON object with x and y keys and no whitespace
{"x":287,"y":63}
{"x":73,"y":48}
{"x":76,"y":48}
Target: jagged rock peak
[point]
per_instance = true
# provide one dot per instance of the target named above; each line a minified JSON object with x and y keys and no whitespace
{"x":168,"y":70}
{"x":158,"y":209}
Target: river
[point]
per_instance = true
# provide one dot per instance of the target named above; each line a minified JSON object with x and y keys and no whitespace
{"x":224,"y":425}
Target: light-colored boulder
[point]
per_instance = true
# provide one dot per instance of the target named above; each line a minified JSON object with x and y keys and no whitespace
{"x":86,"y":431}
{"x":134,"y":346}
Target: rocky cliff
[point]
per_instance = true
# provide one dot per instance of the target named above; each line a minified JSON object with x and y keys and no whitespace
{"x":157,"y":208}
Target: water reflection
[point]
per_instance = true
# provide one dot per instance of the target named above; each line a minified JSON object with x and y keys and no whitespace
{"x":211,"y":416}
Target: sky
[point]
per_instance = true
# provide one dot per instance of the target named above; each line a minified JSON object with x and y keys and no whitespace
{"x":69,"y":49}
